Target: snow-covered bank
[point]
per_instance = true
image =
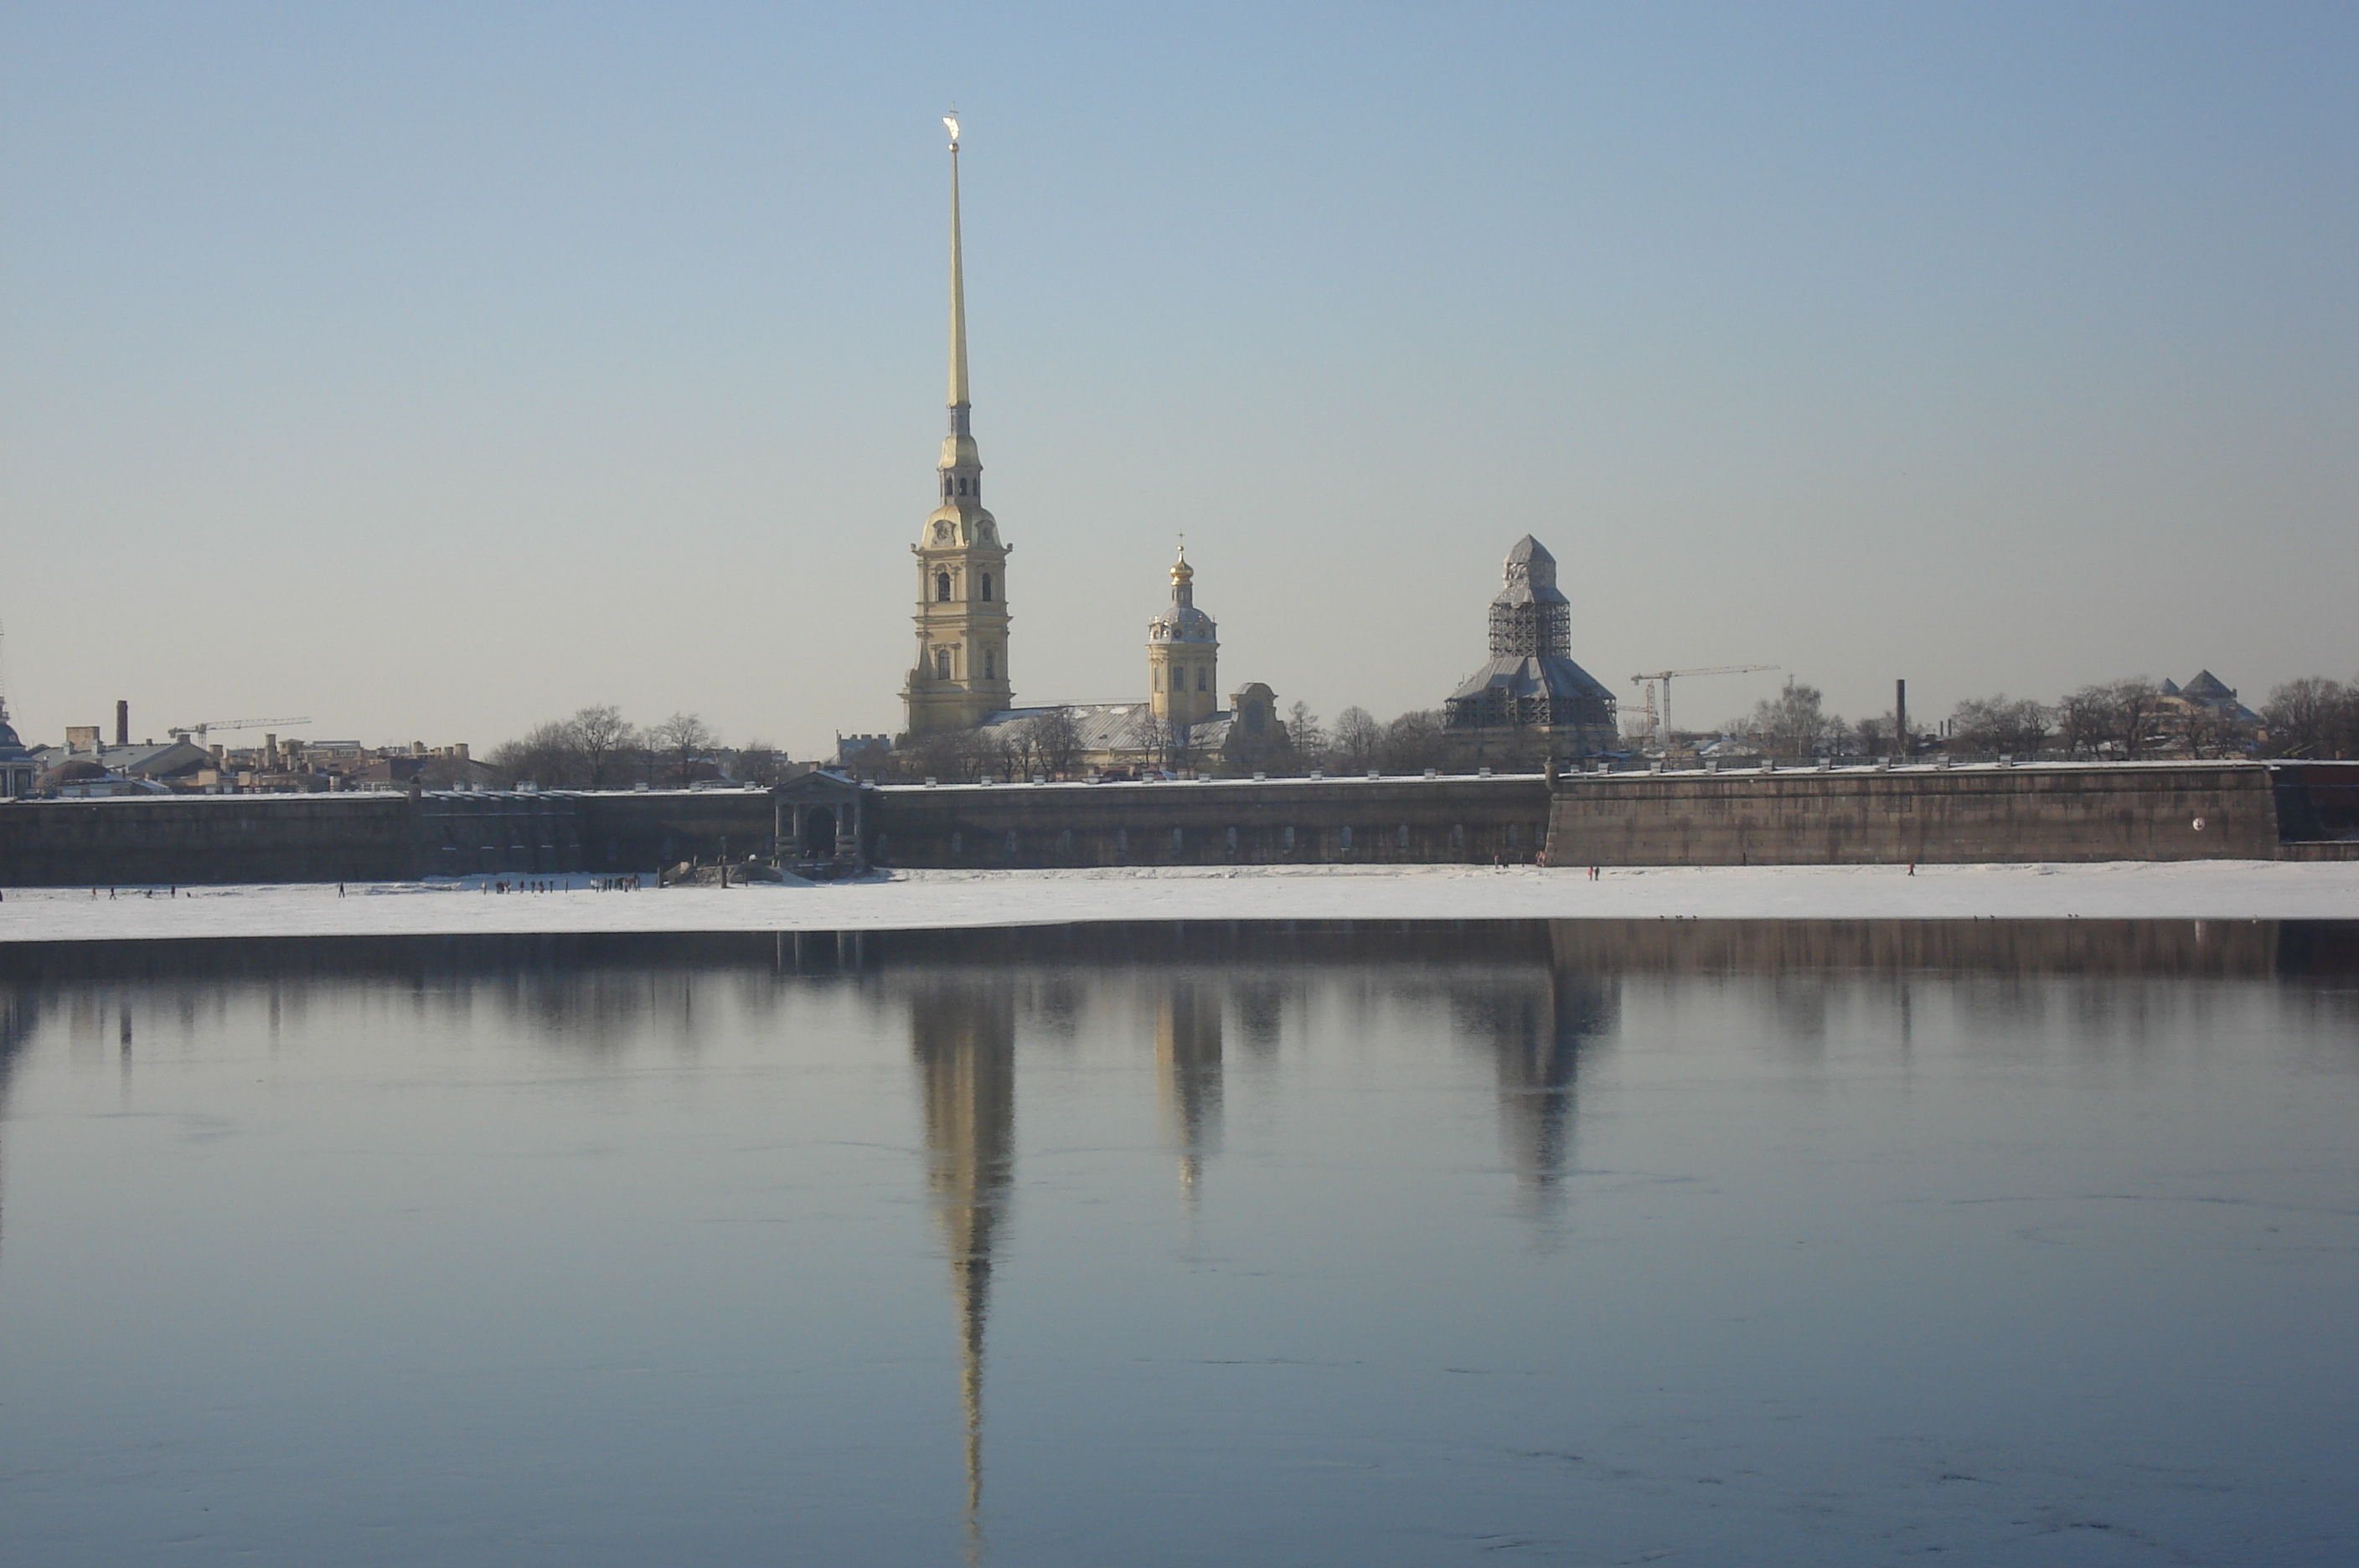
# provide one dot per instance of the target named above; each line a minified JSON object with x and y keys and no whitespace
{"x":914,"y":899}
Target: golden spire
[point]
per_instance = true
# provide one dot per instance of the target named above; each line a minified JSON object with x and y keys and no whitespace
{"x":957,"y":278}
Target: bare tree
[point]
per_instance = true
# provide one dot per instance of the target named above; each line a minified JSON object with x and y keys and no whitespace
{"x":2133,"y":704}
{"x":1008,"y":752}
{"x":2028,"y":724}
{"x":1057,"y":736}
{"x":1979,"y":724}
{"x":1304,"y":736}
{"x":603,"y":740}
{"x":2000,"y":723}
{"x":1357,"y":740}
{"x":2309,"y":717}
{"x":1178,"y":747}
{"x":549,"y":755}
{"x":1792,"y":724}
{"x":1413,"y":742}
{"x":1153,"y":735}
{"x":945,"y":754}
{"x":2213,"y":731}
{"x":2084,"y":718}
{"x":679,"y":740}
{"x":759,"y":762}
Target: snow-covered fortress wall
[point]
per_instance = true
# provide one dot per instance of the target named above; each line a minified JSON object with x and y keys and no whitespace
{"x":2136,"y":812}
{"x":2196,"y":810}
{"x":1224,"y":821}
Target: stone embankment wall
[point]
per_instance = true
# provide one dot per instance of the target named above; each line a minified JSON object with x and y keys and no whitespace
{"x":1282,"y":822}
{"x":161,"y":839}
{"x":1865,"y":816}
{"x":2144,"y":811}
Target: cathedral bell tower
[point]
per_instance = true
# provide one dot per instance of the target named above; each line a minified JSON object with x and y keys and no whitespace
{"x":1183,"y":653}
{"x":961,"y":677}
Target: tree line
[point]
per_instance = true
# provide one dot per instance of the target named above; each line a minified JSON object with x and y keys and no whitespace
{"x":2131,"y":717}
{"x":597,"y":748}
{"x":1052,"y":745}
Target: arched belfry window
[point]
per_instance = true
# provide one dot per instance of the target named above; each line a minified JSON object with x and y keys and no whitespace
{"x":942,"y":664}
{"x":989,"y":664}
{"x":1201,"y":673}
{"x":962,"y":486}
{"x":946,"y":483}
{"x":942,"y":586}
{"x":986,"y":587}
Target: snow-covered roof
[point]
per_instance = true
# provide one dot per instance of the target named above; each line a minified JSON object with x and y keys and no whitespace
{"x":1108,"y":726}
{"x":146,"y":760}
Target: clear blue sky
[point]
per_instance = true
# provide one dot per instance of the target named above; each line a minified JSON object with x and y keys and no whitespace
{"x":434,"y":369}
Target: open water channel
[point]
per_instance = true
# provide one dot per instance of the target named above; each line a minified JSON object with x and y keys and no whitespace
{"x":1578,"y":1242}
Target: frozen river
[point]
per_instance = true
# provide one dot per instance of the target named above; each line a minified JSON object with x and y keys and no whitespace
{"x":1298,"y":1243}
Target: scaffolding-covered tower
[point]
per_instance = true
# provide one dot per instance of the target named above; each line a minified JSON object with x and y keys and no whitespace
{"x":1532,"y":701}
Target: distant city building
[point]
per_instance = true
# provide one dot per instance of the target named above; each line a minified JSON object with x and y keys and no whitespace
{"x":81,"y":778}
{"x":857,"y":752}
{"x":1531,"y":701}
{"x":174,"y":760}
{"x":2208,"y":700}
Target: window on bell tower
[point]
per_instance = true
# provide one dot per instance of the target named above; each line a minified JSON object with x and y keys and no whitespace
{"x":942,"y":587}
{"x":942,"y":664}
{"x":986,"y":587}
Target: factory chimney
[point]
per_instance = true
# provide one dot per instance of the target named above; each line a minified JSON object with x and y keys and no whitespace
{"x":122,"y":722}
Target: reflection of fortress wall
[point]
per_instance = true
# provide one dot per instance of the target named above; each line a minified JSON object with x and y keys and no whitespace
{"x":560,"y":973}
{"x":1861,"y":816}
{"x":2209,"y":948}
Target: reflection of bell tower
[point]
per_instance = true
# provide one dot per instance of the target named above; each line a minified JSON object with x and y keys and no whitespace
{"x":963,"y":1036}
{"x":1537,"y":1031}
{"x":1188,"y":1073}
{"x":961,"y":677}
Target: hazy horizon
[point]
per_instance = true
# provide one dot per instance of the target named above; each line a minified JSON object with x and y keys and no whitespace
{"x":435,"y":372}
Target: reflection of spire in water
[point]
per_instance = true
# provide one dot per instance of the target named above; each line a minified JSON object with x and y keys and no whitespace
{"x":962,"y":1035}
{"x":1187,"y":1075}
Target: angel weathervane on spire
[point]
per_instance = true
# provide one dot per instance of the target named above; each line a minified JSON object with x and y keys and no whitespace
{"x":951,"y":120}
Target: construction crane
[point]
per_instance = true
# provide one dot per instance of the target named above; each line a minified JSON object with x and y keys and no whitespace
{"x":231,"y":727}
{"x":1663,"y":722}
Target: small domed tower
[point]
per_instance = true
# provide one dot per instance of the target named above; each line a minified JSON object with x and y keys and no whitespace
{"x":1183,"y":654}
{"x":18,"y":762}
